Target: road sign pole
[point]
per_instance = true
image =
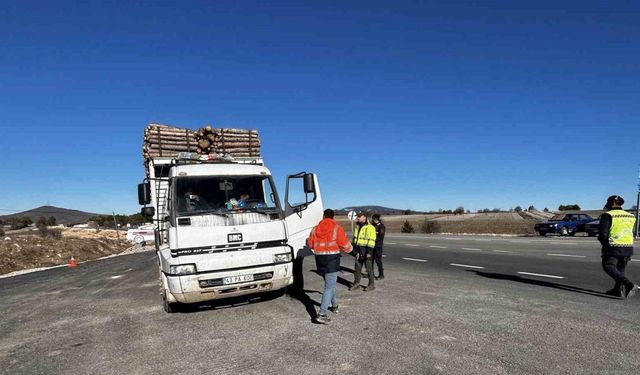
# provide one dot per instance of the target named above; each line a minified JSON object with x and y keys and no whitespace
{"x":638,"y":208}
{"x":638,"y":212}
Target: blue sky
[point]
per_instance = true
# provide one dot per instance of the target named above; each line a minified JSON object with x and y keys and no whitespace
{"x":420,"y":105}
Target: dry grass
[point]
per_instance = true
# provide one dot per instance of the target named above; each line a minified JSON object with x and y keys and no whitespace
{"x":30,"y":250}
{"x":489,"y":223}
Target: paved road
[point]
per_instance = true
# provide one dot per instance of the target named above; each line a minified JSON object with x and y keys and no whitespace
{"x":450,"y":304}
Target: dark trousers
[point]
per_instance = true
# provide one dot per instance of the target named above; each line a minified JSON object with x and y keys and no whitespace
{"x":614,"y":267}
{"x":368,"y":264}
{"x":377,"y":256}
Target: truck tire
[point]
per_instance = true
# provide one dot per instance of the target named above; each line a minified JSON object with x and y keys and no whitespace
{"x":543,"y":233}
{"x":564,"y":231}
{"x":591,"y":234}
{"x":169,"y":308}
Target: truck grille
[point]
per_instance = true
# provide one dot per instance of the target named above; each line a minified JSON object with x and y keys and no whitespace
{"x":227,"y":248}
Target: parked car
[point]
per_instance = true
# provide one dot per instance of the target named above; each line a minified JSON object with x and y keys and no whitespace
{"x":564,"y":224}
{"x":592,"y":228}
{"x":144,"y":233}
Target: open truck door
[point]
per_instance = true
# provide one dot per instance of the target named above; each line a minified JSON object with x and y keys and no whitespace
{"x":303,"y":210}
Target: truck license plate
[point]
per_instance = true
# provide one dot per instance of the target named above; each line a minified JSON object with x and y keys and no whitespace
{"x":237,"y":279}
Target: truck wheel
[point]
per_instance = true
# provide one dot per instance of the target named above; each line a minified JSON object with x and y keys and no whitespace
{"x":564,"y":231}
{"x":543,"y":234}
{"x":591,"y":234}
{"x":572,"y":233}
{"x":169,"y":308}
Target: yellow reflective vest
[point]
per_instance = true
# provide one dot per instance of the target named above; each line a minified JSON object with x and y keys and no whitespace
{"x":364,"y":236}
{"x":621,"y":232}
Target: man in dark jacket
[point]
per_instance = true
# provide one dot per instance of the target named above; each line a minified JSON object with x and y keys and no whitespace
{"x":377,"y":250}
{"x":616,"y":237}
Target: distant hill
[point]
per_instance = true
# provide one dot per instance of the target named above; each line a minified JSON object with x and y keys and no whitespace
{"x":62,"y":215}
{"x":379,"y":209}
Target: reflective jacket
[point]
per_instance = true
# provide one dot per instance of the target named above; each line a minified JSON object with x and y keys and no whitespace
{"x":365,"y":235}
{"x":616,"y":233}
{"x":326,"y":241}
{"x":621,"y":232}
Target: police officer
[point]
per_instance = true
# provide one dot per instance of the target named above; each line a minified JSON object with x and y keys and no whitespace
{"x":364,"y":240}
{"x":377,"y":250}
{"x":616,"y":237}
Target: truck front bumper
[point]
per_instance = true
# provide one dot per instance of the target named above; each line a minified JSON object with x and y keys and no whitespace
{"x":214,"y":285}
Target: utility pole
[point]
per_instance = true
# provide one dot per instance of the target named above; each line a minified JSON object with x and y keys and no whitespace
{"x":115,"y":225}
{"x":638,"y":207}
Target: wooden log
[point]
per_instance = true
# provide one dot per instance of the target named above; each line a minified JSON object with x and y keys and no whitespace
{"x":237,"y":144}
{"x":203,"y":143}
{"x":171,"y":145}
{"x":236,"y":131}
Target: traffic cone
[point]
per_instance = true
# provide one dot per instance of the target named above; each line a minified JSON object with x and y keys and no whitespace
{"x":73,"y":263}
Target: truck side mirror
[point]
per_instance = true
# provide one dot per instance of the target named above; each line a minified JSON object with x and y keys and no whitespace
{"x":148,"y":211}
{"x":309,"y":183}
{"x":144,"y":193}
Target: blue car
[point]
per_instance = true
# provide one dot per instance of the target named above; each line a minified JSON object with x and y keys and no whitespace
{"x":564,"y":224}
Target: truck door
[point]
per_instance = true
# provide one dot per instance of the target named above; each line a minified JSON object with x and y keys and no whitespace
{"x":303,"y":209}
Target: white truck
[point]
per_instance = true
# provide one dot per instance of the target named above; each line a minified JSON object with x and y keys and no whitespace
{"x":221,"y":230}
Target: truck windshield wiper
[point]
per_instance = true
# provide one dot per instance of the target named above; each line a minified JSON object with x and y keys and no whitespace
{"x":205,"y":212}
{"x":264,"y":211}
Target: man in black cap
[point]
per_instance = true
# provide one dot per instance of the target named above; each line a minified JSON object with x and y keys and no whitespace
{"x":616,"y":236}
{"x":377,"y":250}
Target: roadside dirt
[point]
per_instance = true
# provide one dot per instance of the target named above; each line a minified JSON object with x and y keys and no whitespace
{"x":29,"y":250}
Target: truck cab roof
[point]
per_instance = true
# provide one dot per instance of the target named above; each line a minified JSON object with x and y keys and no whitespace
{"x":222,"y":169}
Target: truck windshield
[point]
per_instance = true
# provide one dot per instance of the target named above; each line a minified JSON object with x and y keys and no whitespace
{"x":224,"y":195}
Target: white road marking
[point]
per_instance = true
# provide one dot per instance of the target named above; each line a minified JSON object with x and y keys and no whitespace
{"x":503,"y":251}
{"x":465,"y":266}
{"x":391,"y":243}
{"x":438,"y":247}
{"x":635,"y":260}
{"x":567,"y":255}
{"x":116,"y":277}
{"x":470,"y":248}
{"x":415,"y":260}
{"x":384,"y":256}
{"x":412,"y":245}
{"x":541,"y":275}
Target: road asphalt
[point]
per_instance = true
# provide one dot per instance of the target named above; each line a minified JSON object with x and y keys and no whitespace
{"x":449,"y":305}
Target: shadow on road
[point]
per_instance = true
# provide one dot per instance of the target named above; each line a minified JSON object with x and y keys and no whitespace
{"x":548,"y":284}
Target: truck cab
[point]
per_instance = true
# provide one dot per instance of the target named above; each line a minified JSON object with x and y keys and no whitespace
{"x":221,"y":230}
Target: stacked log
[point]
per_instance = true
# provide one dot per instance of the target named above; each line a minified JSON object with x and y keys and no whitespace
{"x":165,"y":140}
{"x":237,"y":142}
{"x":168,"y":141}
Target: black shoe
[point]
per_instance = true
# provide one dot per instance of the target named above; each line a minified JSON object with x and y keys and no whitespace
{"x":370,"y":288}
{"x":615,"y":292}
{"x":334,"y":309}
{"x":323,"y":319}
{"x":381,"y":276}
{"x":631,"y":290}
{"x":622,"y":291}
{"x":355,"y":286}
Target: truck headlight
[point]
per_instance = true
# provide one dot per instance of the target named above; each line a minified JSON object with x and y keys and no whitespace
{"x":183,"y":269}
{"x":282,"y":258}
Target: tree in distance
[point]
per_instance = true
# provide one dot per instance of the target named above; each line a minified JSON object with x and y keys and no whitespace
{"x":430,"y":226}
{"x":546,"y":209}
{"x":531,"y":208}
{"x":458,"y":211}
{"x":518,"y":209}
{"x":407,"y":227}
